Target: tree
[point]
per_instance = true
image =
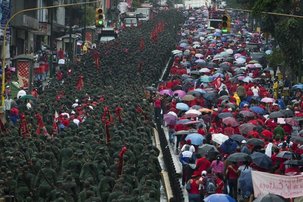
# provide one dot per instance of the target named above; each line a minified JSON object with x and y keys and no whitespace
{"x":285,"y":30}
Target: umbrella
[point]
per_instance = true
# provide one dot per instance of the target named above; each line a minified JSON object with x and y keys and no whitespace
{"x":230,"y":121}
{"x":188,"y":98}
{"x":182,"y":106}
{"x":205,"y":79}
{"x":204,"y":70}
{"x":166,"y":92}
{"x":30,"y":97}
{"x":297,"y":139}
{"x":197,"y":107}
{"x":247,"y":113}
{"x":238,"y":138}
{"x":193,"y":112}
{"x":172,"y":113}
{"x":180,"y":93}
{"x":195,"y":138}
{"x":21,"y":93}
{"x":225,"y":115}
{"x":294,"y":162}
{"x":219,"y":198}
{"x":269,"y":198}
{"x":246,"y":127}
{"x":291,"y":121}
{"x":229,"y":146}
{"x":185,"y":132}
{"x":261,"y":160}
{"x":268,"y":100}
{"x":205,"y":110}
{"x":197,"y":91}
{"x":257,"y":110}
{"x":255,"y":142}
{"x":219,"y":138}
{"x":239,"y":157}
{"x":247,"y":79}
{"x":170,"y":119}
{"x":285,"y":155}
{"x":287,"y":113}
{"x":207,"y":148}
{"x":210,"y":95}
{"x":276,"y":114}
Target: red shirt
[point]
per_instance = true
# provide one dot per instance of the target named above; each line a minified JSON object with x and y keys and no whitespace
{"x":201,"y":164}
{"x":232,"y":172}
{"x":157,"y":103}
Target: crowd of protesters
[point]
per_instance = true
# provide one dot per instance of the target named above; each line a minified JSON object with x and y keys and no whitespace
{"x":227,"y":113}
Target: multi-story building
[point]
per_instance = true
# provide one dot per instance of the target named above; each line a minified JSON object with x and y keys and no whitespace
{"x":32,"y":29}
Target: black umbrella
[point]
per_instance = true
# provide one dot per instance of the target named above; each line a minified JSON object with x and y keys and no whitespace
{"x":206,"y":149}
{"x":225,"y":115}
{"x":239,"y":157}
{"x":261,"y":160}
{"x":294,"y":162}
{"x":287,"y":113}
{"x":270,"y":198}
{"x":255,"y":142}
{"x":297,"y":139}
{"x":285,"y":155}
{"x":238,"y":138}
{"x":277,"y":114}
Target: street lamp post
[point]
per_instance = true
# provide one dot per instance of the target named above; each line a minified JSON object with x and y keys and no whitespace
{"x":5,"y":41}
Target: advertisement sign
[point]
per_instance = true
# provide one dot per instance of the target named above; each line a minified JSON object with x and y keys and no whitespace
{"x":23,"y":67}
{"x":285,"y":186}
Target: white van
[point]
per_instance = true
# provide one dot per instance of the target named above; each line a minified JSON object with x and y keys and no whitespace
{"x":107,"y":34}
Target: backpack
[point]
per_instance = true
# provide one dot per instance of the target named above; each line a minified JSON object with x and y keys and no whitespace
{"x":210,"y":185}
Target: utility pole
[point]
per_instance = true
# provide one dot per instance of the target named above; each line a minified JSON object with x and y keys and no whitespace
{"x":70,"y":36}
{"x":84,"y":26}
{"x":51,"y":38}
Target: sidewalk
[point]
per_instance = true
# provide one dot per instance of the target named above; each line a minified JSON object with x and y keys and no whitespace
{"x":177,"y":163}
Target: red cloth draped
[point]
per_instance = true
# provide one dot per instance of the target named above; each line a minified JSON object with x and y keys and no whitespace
{"x":107,"y":124}
{"x":118,"y":111}
{"x":80,"y":83}
{"x":121,"y":154}
{"x":23,"y":130}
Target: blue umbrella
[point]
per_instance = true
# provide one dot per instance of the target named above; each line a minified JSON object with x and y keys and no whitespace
{"x":195,"y":138}
{"x":229,"y":146}
{"x":205,"y":79}
{"x":243,"y":103}
{"x":183,"y":45}
{"x":298,"y":86}
{"x":219,"y":198}
{"x":182,"y":106}
{"x":261,"y":160}
{"x":257,"y":110}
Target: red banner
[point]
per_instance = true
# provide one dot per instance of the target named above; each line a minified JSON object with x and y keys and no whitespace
{"x":23,"y":73}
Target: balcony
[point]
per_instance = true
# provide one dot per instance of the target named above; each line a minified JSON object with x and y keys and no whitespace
{"x":27,"y":22}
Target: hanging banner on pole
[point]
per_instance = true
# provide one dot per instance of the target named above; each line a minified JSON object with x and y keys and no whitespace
{"x":285,"y":186}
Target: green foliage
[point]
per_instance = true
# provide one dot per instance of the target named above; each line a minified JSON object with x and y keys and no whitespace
{"x":276,"y":58}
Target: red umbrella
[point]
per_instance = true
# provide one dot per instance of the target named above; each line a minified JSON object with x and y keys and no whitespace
{"x":268,"y":134}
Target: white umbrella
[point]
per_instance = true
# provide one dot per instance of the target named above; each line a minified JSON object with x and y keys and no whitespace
{"x":21,"y":93}
{"x":257,"y":65}
{"x":61,"y":62}
{"x":172,"y":113}
{"x":65,"y":114}
{"x":204,"y":70}
{"x":76,"y":121}
{"x":175,"y":52}
{"x":229,"y":51}
{"x":219,"y":138}
{"x":193,"y":111}
{"x":240,"y":60}
{"x":198,"y":55}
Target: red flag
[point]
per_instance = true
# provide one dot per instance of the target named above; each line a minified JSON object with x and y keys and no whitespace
{"x":118,"y":111}
{"x":121,"y":154}
{"x":217,"y":83}
{"x":55,"y":126}
{"x":23,"y":130}
{"x":142,"y":44}
{"x":80,"y":83}
{"x":107,"y":124}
